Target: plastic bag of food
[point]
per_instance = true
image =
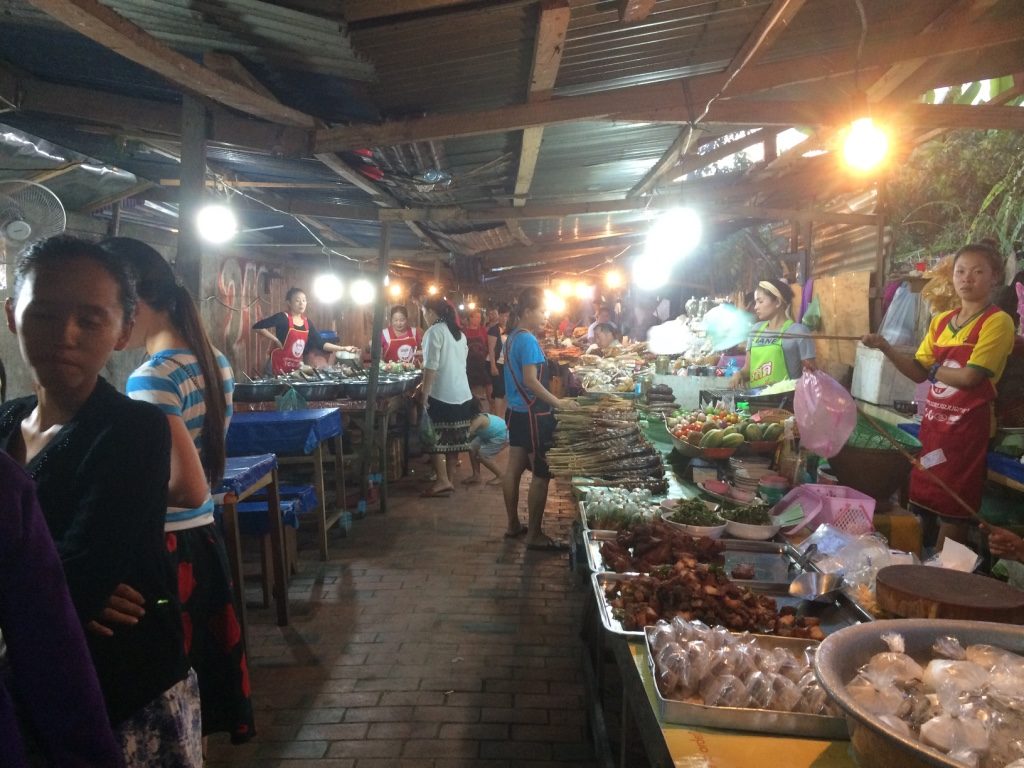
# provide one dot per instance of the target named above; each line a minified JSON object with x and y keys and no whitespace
{"x":888,"y":701}
{"x":957,"y":677}
{"x":949,"y":648}
{"x":939,"y":292}
{"x":825,"y":413}
{"x":893,"y":667}
{"x":725,"y":691}
{"x":950,"y":734}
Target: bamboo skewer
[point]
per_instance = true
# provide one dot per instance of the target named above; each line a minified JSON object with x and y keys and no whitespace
{"x":826,"y":337}
{"x":916,"y":463}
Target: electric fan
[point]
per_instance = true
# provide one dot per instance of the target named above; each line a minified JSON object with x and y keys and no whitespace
{"x":29,"y":212}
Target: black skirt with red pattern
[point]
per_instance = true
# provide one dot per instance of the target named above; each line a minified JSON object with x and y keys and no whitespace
{"x":213,"y":634}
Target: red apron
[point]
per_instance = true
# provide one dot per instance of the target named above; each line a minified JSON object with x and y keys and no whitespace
{"x":289,"y":357}
{"x":400,"y":349}
{"x":955,"y":431}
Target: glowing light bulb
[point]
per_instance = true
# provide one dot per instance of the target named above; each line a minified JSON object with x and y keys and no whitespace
{"x":674,"y":235}
{"x":613,"y":278}
{"x":865,"y":145}
{"x":216,"y":223}
{"x":362,"y":291}
{"x":649,"y":274}
{"x":395,"y":289}
{"x":327,"y":288}
{"x":432,"y":289}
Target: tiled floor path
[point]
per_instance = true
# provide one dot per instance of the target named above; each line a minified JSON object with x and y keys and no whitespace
{"x":427,"y":640}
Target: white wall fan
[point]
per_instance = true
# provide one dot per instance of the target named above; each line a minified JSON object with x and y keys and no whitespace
{"x":29,"y":212}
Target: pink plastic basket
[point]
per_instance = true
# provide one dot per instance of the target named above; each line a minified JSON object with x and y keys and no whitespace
{"x":841,"y":507}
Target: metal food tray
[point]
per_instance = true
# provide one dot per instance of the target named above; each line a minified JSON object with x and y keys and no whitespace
{"x":775,"y":563}
{"x":586,"y":525}
{"x":832,"y":616}
{"x":746,"y":719}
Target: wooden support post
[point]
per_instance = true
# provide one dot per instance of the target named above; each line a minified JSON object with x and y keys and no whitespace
{"x":379,"y":312}
{"x":878,"y":284}
{"x":189,"y":261}
{"x":114,"y":225}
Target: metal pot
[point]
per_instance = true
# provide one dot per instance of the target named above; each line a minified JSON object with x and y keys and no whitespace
{"x":318,"y":390}
{"x":355,"y":389}
{"x":257,"y":391}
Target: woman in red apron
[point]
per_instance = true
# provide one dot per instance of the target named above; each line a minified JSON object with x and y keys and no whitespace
{"x":962,"y":355}
{"x":399,"y":342}
{"x":291,"y":335}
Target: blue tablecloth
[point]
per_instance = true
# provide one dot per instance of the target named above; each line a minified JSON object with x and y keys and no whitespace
{"x":285,"y":433}
{"x":997,"y":462}
{"x":240,"y":472}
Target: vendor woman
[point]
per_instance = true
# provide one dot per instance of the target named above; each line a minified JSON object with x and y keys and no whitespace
{"x":292,"y":335}
{"x":778,"y":348}
{"x":962,"y":355}
{"x":400,"y":342}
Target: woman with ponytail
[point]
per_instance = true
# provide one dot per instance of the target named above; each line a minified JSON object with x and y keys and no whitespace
{"x":192,"y":383}
{"x":445,"y":391}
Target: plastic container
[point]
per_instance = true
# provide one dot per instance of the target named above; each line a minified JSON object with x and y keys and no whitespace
{"x":876,"y":380}
{"x":841,"y":507}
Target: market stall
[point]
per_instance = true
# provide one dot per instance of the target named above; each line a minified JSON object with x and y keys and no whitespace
{"x":654,"y":545}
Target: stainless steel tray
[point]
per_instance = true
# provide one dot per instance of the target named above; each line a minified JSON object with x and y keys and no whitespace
{"x":744,"y":719}
{"x":775,"y":563}
{"x":831,"y":616}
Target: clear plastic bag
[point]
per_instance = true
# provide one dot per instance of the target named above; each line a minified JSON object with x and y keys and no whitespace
{"x":899,"y":326}
{"x":825,"y":413}
{"x":428,"y":435}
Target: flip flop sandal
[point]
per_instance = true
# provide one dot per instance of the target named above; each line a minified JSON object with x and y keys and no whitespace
{"x":443,"y":493}
{"x":521,"y":532}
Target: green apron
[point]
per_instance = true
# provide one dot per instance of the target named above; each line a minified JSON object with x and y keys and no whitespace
{"x":768,"y":361}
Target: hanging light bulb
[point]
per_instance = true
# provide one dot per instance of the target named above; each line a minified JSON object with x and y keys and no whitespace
{"x":362,"y":291}
{"x":395,"y":289}
{"x":613,"y":278}
{"x":865,"y":145}
{"x":216,"y":223}
{"x":327,"y":288}
{"x":674,"y":235}
{"x":432,"y":289}
{"x":649,"y":273}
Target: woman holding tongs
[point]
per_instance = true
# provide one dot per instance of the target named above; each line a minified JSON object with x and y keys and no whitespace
{"x":963,"y":355}
{"x":778,"y":348}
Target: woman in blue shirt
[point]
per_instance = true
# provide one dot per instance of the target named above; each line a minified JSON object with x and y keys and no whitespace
{"x":531,"y":422}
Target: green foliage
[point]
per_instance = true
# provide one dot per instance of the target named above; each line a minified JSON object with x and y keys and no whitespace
{"x":962,"y":186}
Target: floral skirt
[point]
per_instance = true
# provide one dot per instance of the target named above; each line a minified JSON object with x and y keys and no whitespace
{"x":165,"y":733}
{"x":213,"y":635}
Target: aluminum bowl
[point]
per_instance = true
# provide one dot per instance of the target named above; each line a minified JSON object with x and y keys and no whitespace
{"x":842,"y":653}
{"x":318,"y":390}
{"x":257,"y":391}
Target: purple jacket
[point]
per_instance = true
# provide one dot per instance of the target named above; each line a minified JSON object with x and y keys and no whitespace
{"x":50,"y":672}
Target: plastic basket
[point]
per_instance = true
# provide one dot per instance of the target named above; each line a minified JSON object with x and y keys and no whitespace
{"x":841,"y":507}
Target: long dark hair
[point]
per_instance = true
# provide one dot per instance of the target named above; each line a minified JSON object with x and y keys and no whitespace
{"x":160,"y":289}
{"x":58,"y":249}
{"x":445,"y":312}
{"x":531,"y":298}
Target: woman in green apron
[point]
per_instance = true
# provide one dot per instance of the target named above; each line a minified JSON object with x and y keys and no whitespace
{"x":778,"y":348}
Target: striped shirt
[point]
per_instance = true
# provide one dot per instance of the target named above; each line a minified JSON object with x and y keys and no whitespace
{"x":172,"y":380}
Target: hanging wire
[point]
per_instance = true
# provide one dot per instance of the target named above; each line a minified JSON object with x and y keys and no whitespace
{"x":860,"y":45}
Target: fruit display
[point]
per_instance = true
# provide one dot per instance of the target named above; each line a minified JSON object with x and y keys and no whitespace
{"x":715,"y":427}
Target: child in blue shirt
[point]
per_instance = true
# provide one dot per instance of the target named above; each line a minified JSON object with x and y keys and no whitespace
{"x":488,"y":437}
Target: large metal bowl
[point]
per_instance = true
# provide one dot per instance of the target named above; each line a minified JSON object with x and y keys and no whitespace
{"x":842,"y":653}
{"x":318,"y":390}
{"x":257,"y":391}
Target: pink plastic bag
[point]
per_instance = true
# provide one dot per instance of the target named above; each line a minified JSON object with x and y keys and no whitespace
{"x":825,"y":413}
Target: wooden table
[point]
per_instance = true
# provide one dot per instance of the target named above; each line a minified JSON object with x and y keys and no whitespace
{"x":244,"y":476}
{"x":296,"y":437}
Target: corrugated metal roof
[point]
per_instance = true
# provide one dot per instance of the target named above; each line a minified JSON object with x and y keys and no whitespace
{"x":597,"y":158}
{"x":260,"y":31}
{"x":471,"y":60}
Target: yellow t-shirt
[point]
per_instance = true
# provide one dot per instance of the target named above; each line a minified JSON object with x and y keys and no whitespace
{"x":995,"y":342}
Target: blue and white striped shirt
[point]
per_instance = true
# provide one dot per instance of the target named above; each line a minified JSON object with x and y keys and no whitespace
{"x":172,"y":380}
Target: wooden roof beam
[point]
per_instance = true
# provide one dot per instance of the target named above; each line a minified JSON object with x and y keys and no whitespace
{"x":767,"y":30}
{"x":632,"y":11}
{"x":716,"y":211}
{"x":659,"y":101}
{"x":113,"y":31}
{"x":552,"y":27}
{"x":958,"y":15}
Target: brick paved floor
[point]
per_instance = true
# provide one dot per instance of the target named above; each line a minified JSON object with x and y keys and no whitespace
{"x":427,"y":640}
